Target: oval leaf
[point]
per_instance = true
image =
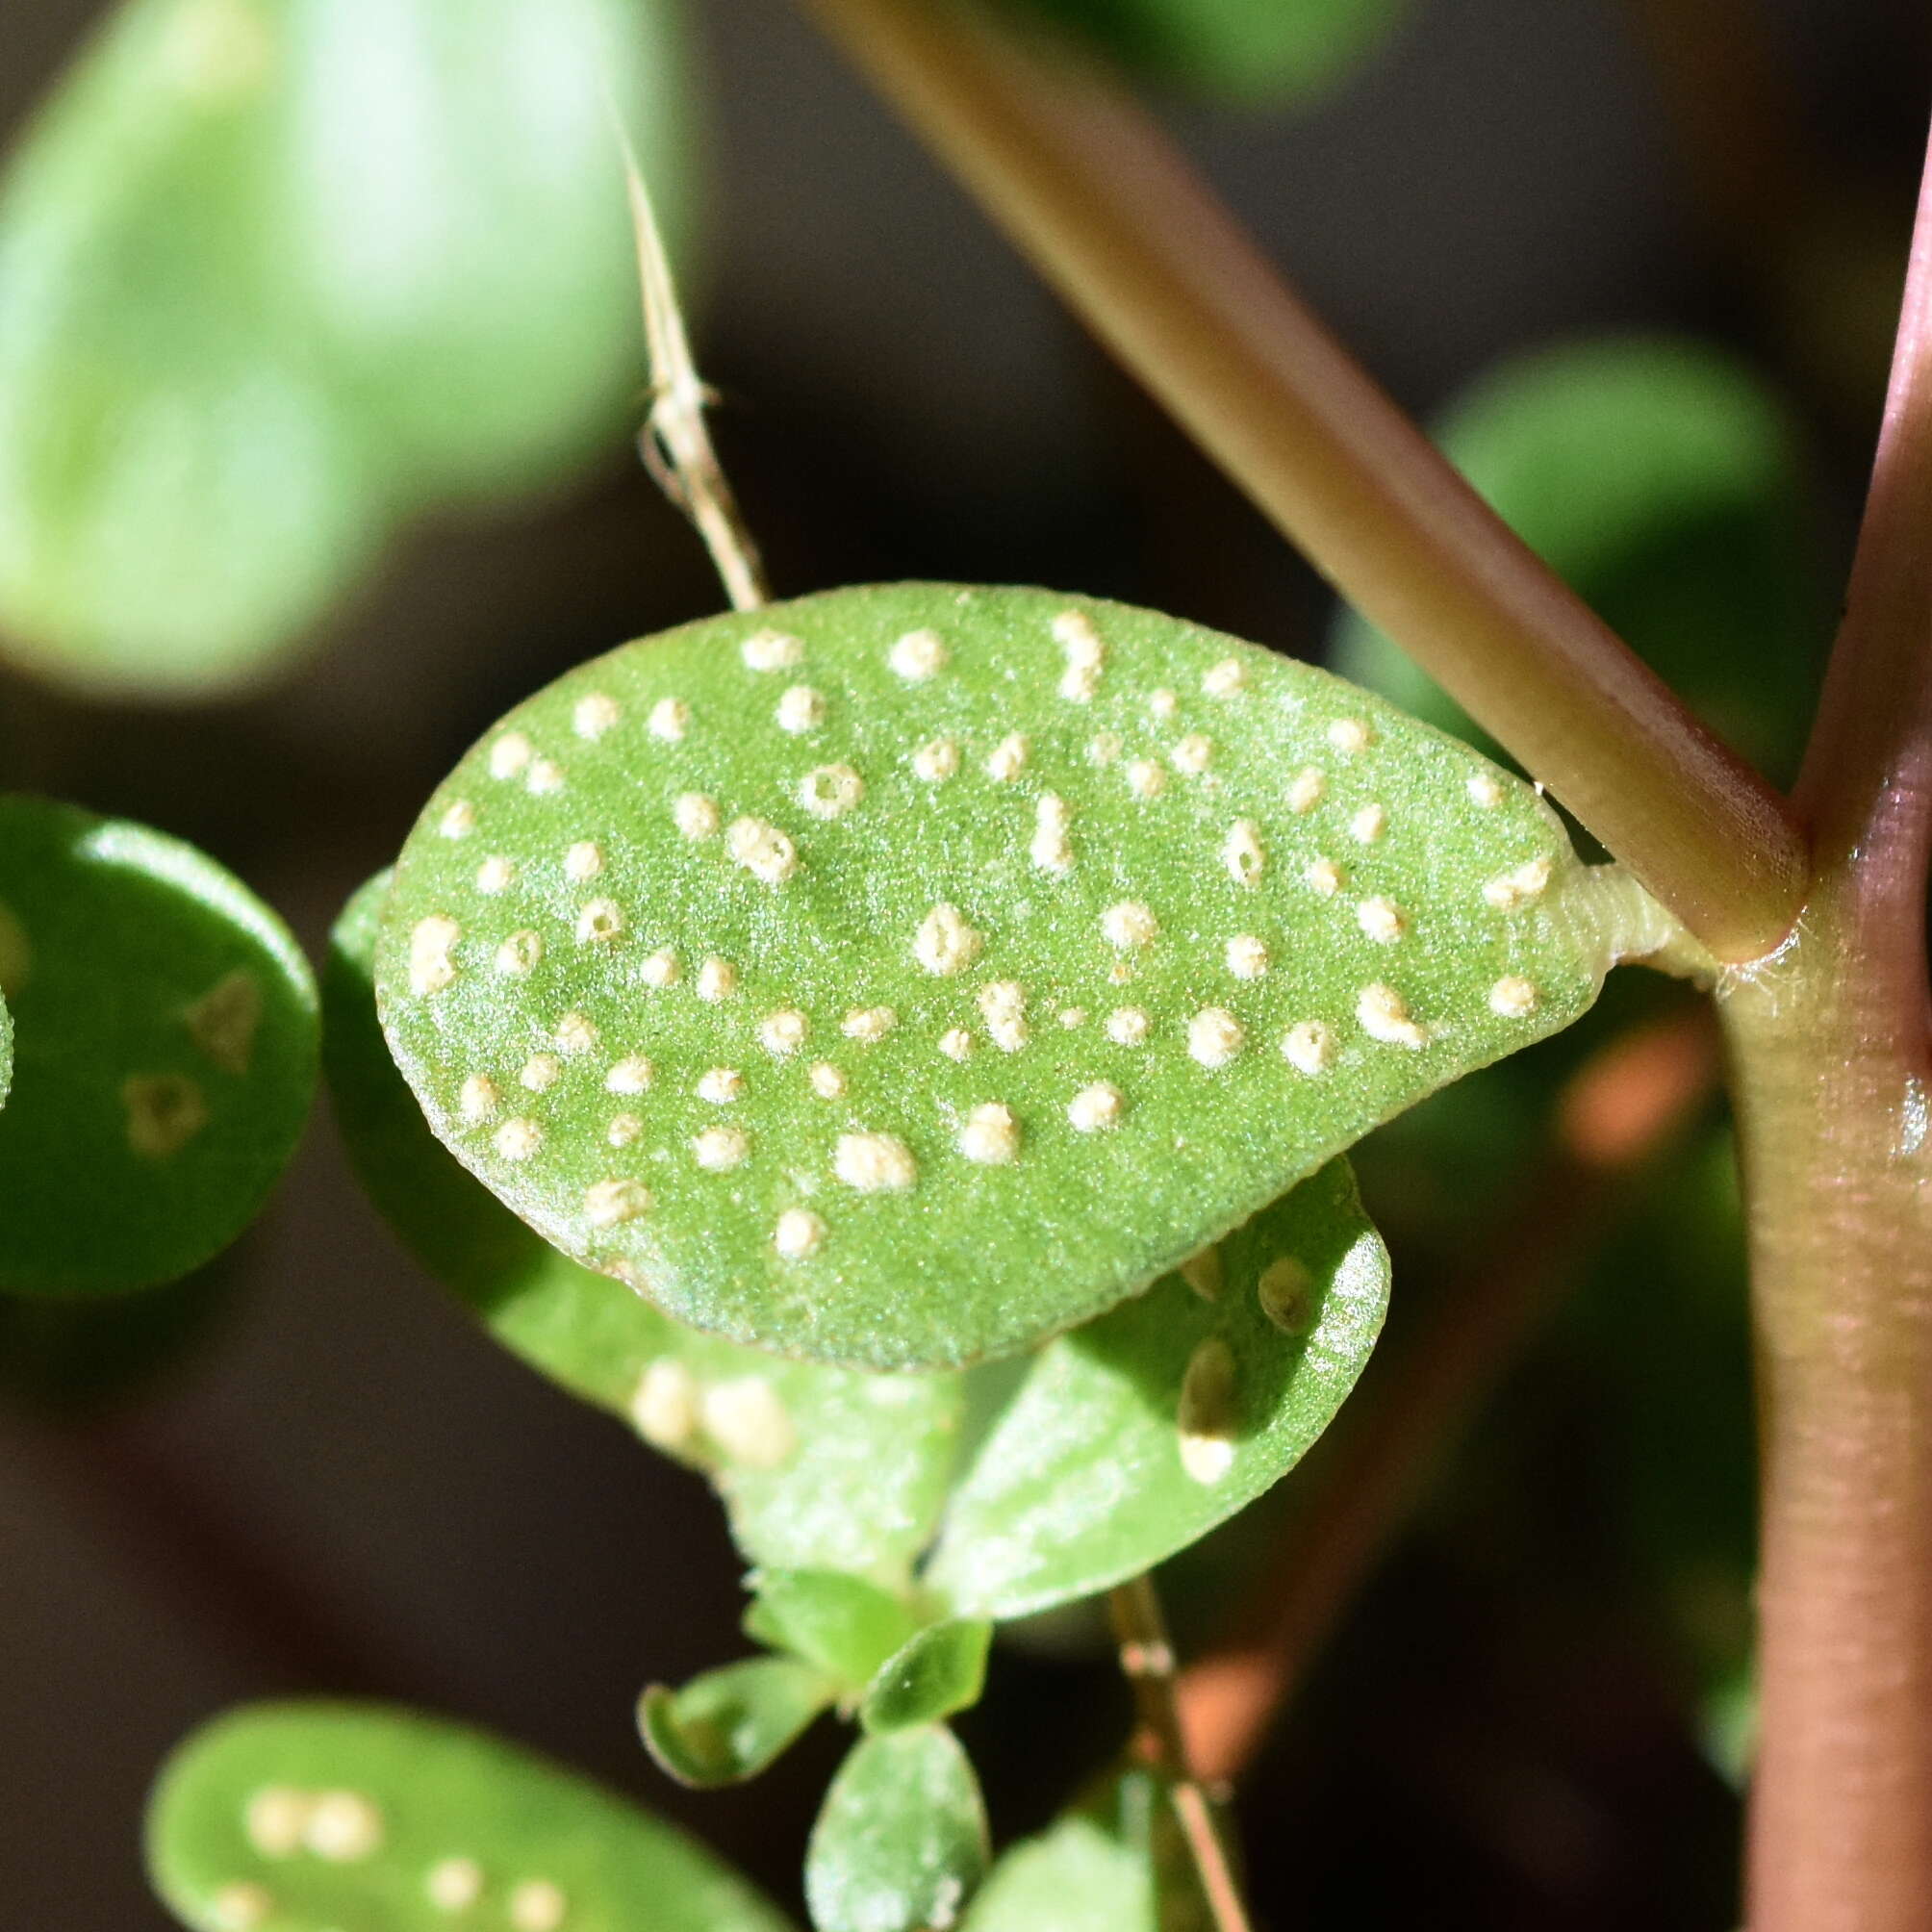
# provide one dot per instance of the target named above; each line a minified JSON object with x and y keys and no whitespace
{"x":939,"y":1670}
{"x":843,"y":1624}
{"x":1116,"y":1863}
{"x":819,"y":1468}
{"x":900,"y":1841}
{"x":274,"y":274}
{"x":728,"y":1725}
{"x":179,"y":494}
{"x":1132,"y":1437}
{"x":164,"y":1056}
{"x":459,"y":235}
{"x":947,"y":964}
{"x":302,"y":1816}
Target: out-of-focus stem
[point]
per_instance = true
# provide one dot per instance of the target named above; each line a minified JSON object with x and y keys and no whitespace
{"x":1147,"y":1662}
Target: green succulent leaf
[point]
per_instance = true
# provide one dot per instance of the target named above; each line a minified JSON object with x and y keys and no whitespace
{"x":165,"y":1055}
{"x":306,"y":1817}
{"x":901,"y":1842}
{"x":728,"y":1725}
{"x":844,"y":1625}
{"x":1134,"y":1436}
{"x":1244,"y":50}
{"x":1116,"y":1863}
{"x":274,"y":274}
{"x":821,"y":1469}
{"x":456,"y":206}
{"x":902,"y":975}
{"x":179,"y":495}
{"x":938,"y":1670}
{"x":1662,"y":480}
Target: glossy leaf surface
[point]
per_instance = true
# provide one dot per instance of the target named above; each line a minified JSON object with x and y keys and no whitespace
{"x":165,"y":1053}
{"x":307,"y":1816}
{"x":938,"y":1671}
{"x":901,"y":1842}
{"x":903,"y":974}
{"x":728,"y":1725}
{"x":843,"y":1624}
{"x":1132,"y":1437}
{"x":819,"y":1468}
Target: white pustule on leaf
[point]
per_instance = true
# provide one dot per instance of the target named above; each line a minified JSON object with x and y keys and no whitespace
{"x":1076,"y":893}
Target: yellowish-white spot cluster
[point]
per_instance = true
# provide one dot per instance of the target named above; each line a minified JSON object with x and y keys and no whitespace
{"x":695,"y":815}
{"x":432,"y":953}
{"x":1192,"y":755}
{"x":340,"y":1826}
{"x":762,"y":849}
{"x":453,"y":1884}
{"x":1244,"y":854}
{"x":937,"y":761}
{"x":496,"y":874}
{"x":1085,"y":655}
{"x":1097,"y":1107}
{"x":1512,"y":998}
{"x":772,"y":650}
{"x":1384,"y":1015}
{"x":1309,"y":1047}
{"x":1519,"y":886}
{"x":1207,"y":1418}
{"x":1051,"y":849}
{"x":1282,"y":1291}
{"x":867,"y":1025}
{"x":599,"y":922}
{"x":1214,"y":1036}
{"x":521,"y":953}
{"x":594,"y":714}
{"x":782,"y":1032}
{"x":875,"y":1163}
{"x":801,"y":709}
{"x":919,"y":655}
{"x":1003,"y":1006}
{"x":946,"y":943}
{"x":718,"y":1150}
{"x":748,"y":1421}
{"x":669,"y":720}
{"x":717,"y":980}
{"x":609,"y":1204}
{"x":830,"y":791}
{"x":1247,"y":957}
{"x":165,"y":1112}
{"x":1008,"y":758}
{"x":1307,"y":789}
{"x":991,"y":1135}
{"x":800,"y":1233}
{"x":1383,"y":920}
{"x":582,"y":860}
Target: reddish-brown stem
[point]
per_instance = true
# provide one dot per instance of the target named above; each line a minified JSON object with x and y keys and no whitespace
{"x":1373,"y":1467}
{"x":1830,"y":1044}
{"x":1114,"y":215}
{"x":1147,"y":1662}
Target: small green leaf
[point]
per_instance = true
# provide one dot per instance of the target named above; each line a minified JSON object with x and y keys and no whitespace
{"x":843,"y":1624}
{"x":1117,"y":1864}
{"x":302,"y":1816}
{"x":1136,"y":1435}
{"x":1662,"y":479}
{"x":165,"y":1052}
{"x":905,"y":975}
{"x":1245,"y":50}
{"x":819,"y":1468}
{"x":728,"y":1725}
{"x":901,"y":1842}
{"x":939,"y":1670}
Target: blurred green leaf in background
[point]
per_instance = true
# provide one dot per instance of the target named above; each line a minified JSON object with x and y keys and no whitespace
{"x":277,"y":274}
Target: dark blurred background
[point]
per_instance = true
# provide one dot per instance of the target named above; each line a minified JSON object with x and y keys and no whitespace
{"x":338,"y":1484}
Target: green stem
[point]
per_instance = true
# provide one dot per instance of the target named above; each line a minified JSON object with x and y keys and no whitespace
{"x":1114,"y":215}
{"x":1833,"y":1059}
